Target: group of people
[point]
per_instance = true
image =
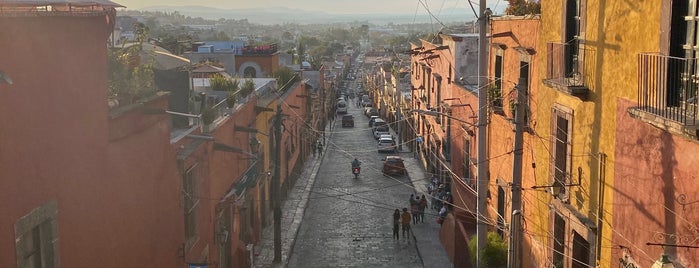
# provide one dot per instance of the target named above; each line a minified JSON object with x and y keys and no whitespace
{"x":402,"y":221}
{"x":442,"y":199}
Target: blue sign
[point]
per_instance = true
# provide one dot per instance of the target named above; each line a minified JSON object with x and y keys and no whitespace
{"x":198,"y":265}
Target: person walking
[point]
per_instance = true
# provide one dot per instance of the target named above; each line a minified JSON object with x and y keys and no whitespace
{"x":414,"y":208}
{"x":396,"y":224}
{"x":421,"y":206}
{"x":405,"y":223}
{"x":320,"y":148}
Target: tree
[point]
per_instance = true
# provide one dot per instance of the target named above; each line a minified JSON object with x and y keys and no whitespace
{"x":523,"y":7}
{"x":493,"y":255}
{"x":129,"y":79}
{"x":286,"y":78}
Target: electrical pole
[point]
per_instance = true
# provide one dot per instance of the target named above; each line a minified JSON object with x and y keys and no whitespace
{"x":515,"y":228}
{"x":276,"y":195}
{"x":482,"y":178}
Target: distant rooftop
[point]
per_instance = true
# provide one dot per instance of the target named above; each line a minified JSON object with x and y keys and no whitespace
{"x":55,"y":7}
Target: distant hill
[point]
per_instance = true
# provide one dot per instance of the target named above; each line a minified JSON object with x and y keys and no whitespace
{"x":279,"y":15}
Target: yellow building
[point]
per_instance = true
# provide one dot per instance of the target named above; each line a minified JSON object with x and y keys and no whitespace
{"x":590,"y":68}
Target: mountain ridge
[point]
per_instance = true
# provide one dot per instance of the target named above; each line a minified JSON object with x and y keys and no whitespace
{"x":279,"y":15}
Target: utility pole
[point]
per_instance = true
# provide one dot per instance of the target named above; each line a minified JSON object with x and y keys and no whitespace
{"x":482,"y":178}
{"x":398,"y":100}
{"x":276,"y":195}
{"x":515,"y":255}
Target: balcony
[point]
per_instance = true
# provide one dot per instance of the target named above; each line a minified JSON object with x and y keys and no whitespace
{"x":667,"y":93}
{"x":565,"y":69}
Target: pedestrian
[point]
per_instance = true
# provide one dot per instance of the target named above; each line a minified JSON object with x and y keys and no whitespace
{"x":405,"y":223}
{"x":421,"y":208}
{"x":396,"y":224}
{"x":412,"y":200}
{"x":320,"y":148}
{"x":414,"y":210}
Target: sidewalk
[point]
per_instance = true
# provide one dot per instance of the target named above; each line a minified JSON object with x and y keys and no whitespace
{"x":426,"y":234}
{"x":292,"y":215}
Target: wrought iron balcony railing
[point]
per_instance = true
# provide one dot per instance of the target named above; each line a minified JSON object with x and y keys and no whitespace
{"x":667,"y":87}
{"x":565,"y":68}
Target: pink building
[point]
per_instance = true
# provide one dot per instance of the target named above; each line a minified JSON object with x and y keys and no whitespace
{"x":84,"y":186}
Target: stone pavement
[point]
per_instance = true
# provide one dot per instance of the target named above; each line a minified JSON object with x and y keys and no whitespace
{"x":426,"y":236}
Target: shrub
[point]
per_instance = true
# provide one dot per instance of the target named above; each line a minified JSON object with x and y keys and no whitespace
{"x":494,"y":254}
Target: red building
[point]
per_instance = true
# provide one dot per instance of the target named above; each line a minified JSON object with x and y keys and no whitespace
{"x":84,"y":186}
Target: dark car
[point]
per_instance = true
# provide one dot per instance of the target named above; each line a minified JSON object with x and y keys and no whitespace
{"x":348,"y":120}
{"x":393,"y":165}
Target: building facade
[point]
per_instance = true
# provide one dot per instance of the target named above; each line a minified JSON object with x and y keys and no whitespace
{"x":82,"y":181}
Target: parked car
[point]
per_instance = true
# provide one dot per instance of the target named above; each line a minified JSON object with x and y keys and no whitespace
{"x":387,"y":136}
{"x":369,"y":111}
{"x":393,"y":165}
{"x":386,"y":145}
{"x":379,"y":123}
{"x":372,"y":119}
{"x":379,"y":131}
{"x":348,"y":120}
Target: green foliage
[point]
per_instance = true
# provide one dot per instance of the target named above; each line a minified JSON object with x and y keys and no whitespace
{"x":129,"y":79}
{"x":494,"y":254}
{"x":523,"y":7}
{"x":221,"y":83}
{"x":286,"y":77}
{"x":247,"y":88}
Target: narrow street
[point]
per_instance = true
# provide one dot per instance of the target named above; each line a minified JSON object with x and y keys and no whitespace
{"x":348,"y":221}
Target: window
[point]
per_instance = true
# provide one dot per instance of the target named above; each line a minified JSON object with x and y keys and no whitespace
{"x":572,"y":36}
{"x":501,"y":211}
{"x":559,"y":236}
{"x":561,"y":127}
{"x":581,"y":251}
{"x":524,"y":78}
{"x":681,"y":45}
{"x":250,"y":72}
{"x":498,"y":69}
{"x":467,"y":161}
{"x":36,"y":238}
{"x":190,"y":200}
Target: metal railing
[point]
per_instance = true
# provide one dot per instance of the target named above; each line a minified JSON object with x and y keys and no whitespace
{"x":563,"y":66}
{"x":667,"y":87}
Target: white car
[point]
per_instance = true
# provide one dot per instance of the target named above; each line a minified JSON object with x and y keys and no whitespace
{"x":381,"y":131}
{"x":386,"y":145}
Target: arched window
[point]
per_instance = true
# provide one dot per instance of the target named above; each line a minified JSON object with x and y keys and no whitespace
{"x":250,"y":72}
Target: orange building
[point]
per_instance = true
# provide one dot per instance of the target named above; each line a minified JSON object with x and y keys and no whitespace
{"x":83,"y":186}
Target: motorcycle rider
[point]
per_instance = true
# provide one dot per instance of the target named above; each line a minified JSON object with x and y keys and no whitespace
{"x":355,"y":164}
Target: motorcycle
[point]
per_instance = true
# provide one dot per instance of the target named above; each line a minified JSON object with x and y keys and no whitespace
{"x":355,"y":171}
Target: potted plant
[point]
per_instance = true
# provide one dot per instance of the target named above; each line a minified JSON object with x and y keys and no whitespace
{"x":495,"y":98}
{"x":208,"y":115}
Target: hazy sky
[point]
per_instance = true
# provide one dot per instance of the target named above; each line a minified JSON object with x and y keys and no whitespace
{"x":329,"y":6}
